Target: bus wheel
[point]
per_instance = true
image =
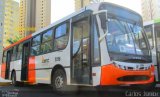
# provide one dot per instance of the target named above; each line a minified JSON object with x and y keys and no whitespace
{"x":13,"y":78}
{"x":59,"y":81}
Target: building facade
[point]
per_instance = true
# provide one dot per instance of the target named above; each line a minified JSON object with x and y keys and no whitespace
{"x":34,"y":15}
{"x":22,"y":13}
{"x":11,"y":21}
{"x":150,"y":9}
{"x":1,"y":26}
{"x":43,"y":13}
{"x":82,"y":3}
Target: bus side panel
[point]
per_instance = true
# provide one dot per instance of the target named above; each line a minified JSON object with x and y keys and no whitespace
{"x":96,"y":75}
{"x":31,"y":70}
{"x":16,"y":65}
{"x":3,"y":69}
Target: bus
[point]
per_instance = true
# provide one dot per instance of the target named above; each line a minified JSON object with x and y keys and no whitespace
{"x":103,"y":44}
{"x":152,"y":29}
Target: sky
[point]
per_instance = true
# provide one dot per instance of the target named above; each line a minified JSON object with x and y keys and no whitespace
{"x":60,"y":9}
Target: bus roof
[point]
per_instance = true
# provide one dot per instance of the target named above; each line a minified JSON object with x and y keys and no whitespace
{"x":18,"y":42}
{"x":152,"y":22}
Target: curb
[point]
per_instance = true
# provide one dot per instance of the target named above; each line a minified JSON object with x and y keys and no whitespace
{"x":5,"y":83}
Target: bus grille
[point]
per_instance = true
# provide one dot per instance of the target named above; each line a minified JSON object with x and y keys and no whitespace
{"x":134,"y":78}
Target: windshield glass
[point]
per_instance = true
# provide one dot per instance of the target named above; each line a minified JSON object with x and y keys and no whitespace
{"x":126,"y":38}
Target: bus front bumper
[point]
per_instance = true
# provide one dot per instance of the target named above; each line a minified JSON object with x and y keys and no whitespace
{"x":111,"y":75}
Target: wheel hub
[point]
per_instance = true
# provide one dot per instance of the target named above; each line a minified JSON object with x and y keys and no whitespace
{"x":59,"y":82}
{"x":13,"y":80}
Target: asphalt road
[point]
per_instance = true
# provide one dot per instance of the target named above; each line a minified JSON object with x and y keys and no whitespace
{"x":46,"y":91}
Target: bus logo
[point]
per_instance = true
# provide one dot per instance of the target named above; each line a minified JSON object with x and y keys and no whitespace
{"x":44,"y":60}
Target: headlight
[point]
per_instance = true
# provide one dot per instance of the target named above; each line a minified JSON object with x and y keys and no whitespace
{"x":115,"y":64}
{"x":119,"y":66}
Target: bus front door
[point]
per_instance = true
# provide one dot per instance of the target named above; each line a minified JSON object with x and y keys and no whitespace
{"x":8,"y":60}
{"x":25,"y":59}
{"x":81,"y":68}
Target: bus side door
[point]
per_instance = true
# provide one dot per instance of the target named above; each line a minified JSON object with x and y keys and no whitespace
{"x":81,"y":66}
{"x":8,"y":60}
{"x":157,"y":34}
{"x":25,"y":60}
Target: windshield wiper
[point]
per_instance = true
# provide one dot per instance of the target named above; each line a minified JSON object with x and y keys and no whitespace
{"x":135,"y":60}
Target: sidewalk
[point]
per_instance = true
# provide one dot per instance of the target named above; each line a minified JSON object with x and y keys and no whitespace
{"x":4,"y":82}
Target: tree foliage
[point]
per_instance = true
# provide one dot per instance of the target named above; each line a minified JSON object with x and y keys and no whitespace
{"x":13,"y":40}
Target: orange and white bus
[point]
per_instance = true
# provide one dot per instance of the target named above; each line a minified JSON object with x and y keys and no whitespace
{"x":102,"y":44}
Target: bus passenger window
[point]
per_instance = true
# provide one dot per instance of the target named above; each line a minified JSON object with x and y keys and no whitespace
{"x":61,"y":37}
{"x":4,"y":56}
{"x":35,"y":49}
{"x":46,"y":45}
{"x":13,"y":56}
{"x":19,"y":53}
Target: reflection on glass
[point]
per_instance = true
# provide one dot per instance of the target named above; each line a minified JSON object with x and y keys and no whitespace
{"x":124,"y":37}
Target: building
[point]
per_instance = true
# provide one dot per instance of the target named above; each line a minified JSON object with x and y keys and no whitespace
{"x":43,"y":13}
{"x":150,"y":9}
{"x":34,"y":15}
{"x":11,"y":21}
{"x":1,"y":26}
{"x":22,"y":13}
{"x":82,"y":3}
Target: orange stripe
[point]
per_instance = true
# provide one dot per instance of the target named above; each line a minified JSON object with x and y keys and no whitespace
{"x":31,"y":70}
{"x":110,"y":74}
{"x":23,"y":39}
{"x":3,"y":69}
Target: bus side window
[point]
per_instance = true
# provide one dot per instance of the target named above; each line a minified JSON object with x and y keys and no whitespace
{"x":4,"y":56}
{"x":19,"y":52}
{"x":96,"y":47}
{"x":149,"y":33}
{"x":13,"y":57}
{"x":46,"y":45}
{"x":35,"y":49}
{"x":61,"y":37}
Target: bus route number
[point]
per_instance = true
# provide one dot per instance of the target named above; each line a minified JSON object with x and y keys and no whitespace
{"x":57,"y":59}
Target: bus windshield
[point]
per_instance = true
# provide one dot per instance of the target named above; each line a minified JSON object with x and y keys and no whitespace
{"x":126,"y":38}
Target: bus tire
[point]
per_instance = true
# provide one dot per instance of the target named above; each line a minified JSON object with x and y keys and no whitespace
{"x":59,"y":81}
{"x":13,"y":78}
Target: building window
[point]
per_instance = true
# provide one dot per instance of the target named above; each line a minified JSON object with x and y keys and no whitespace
{"x":61,"y":37}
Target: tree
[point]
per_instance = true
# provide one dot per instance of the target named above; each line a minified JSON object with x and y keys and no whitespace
{"x":13,"y":40}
